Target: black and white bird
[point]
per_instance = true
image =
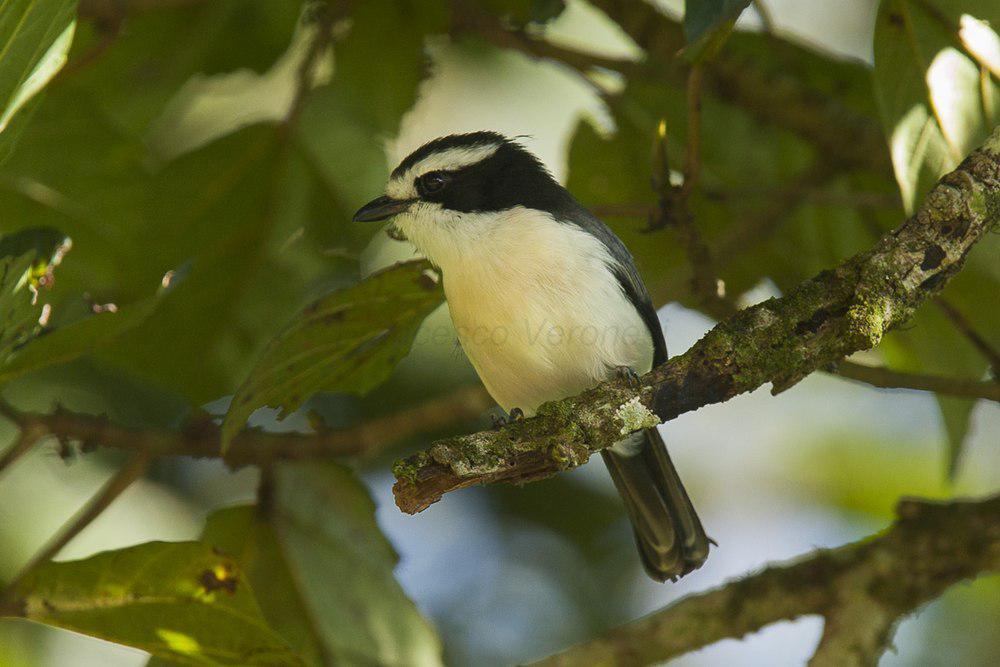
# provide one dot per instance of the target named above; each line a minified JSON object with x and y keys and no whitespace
{"x":547,"y":302}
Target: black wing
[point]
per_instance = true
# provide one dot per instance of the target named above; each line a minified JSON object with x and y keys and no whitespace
{"x":627,"y":275}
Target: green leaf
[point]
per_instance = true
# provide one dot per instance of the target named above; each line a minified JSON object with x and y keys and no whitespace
{"x":348,"y":341}
{"x":177,"y":600}
{"x":146,"y":65}
{"x":78,"y":338}
{"x":707,"y":24}
{"x":381,"y":78}
{"x":372,"y":87}
{"x":323,"y":571}
{"x":956,"y":413}
{"x":27,"y":259}
{"x":937,"y":102}
{"x":239,"y":215}
{"x":209,"y":107}
{"x":35,"y":36}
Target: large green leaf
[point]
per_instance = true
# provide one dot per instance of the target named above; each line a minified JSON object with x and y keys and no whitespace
{"x":323,"y":571}
{"x":147,"y":64}
{"x":372,"y":87}
{"x":35,"y":36}
{"x":178,"y":600}
{"x":348,"y":341}
{"x":223,"y":215}
{"x":707,"y":24}
{"x":937,"y":101}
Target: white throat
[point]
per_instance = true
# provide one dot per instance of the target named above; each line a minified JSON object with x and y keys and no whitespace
{"x":536,"y":305}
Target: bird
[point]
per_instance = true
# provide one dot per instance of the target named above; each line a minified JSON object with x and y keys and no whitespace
{"x":547,"y":302}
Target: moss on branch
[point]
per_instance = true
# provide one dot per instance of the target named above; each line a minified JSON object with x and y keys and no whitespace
{"x":780,"y":341}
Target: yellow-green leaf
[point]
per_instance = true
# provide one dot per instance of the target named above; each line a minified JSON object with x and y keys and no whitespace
{"x":323,"y":572}
{"x":348,"y":341}
{"x":177,"y":600}
{"x":938,"y":100}
{"x":35,"y":36}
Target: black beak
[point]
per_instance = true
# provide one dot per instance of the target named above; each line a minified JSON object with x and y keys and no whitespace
{"x":381,"y":208}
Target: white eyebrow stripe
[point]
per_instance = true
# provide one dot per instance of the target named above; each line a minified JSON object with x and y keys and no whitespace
{"x":401,"y":187}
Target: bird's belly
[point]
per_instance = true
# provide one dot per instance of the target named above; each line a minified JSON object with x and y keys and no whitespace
{"x":532,"y":344}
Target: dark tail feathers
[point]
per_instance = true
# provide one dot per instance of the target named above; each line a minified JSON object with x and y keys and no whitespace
{"x":667,"y":530}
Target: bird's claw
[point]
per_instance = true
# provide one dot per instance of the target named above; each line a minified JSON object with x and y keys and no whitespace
{"x":499,"y":421}
{"x":628,"y":375}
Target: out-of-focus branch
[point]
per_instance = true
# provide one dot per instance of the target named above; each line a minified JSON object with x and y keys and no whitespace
{"x":200,"y":437}
{"x":469,"y":18}
{"x":780,"y":341}
{"x":674,"y":202}
{"x":114,"y":487}
{"x":887,"y":378}
{"x":962,"y":323}
{"x":862,"y":590}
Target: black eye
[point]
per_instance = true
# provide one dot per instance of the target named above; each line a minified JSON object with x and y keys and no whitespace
{"x":431,"y":182}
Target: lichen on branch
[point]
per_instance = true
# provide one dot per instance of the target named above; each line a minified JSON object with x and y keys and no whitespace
{"x":779,"y":341}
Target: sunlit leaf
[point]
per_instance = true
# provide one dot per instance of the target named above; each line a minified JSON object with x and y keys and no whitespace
{"x":178,"y":600}
{"x":133,"y":81}
{"x":348,"y":341}
{"x":35,"y":36}
{"x":936,"y":104}
{"x":210,"y":106}
{"x":707,"y":24}
{"x":323,"y":571}
{"x":27,"y":259}
{"x":981,"y":40}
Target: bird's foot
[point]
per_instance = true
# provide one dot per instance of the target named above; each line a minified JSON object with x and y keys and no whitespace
{"x":628,"y":375}
{"x":499,"y":421}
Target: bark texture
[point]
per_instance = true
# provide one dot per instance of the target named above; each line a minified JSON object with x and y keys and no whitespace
{"x":862,"y":590}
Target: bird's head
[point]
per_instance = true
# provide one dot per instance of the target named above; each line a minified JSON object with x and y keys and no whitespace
{"x":454,"y":190}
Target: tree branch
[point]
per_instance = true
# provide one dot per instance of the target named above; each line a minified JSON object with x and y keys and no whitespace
{"x":779,"y":341}
{"x":200,"y":437}
{"x":962,"y":323}
{"x":861,"y":589}
{"x":887,"y":378}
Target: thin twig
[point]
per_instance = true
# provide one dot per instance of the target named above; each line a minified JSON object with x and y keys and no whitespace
{"x":113,"y":488}
{"x":675,"y":205}
{"x":962,"y":323}
{"x":887,"y":378}
{"x":200,"y":437}
{"x":692,"y":157}
{"x":323,"y":18}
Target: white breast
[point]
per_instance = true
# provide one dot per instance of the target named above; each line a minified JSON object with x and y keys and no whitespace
{"x":537,"y":309}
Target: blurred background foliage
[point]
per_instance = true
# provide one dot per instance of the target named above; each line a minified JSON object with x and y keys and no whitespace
{"x":177,"y":182}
